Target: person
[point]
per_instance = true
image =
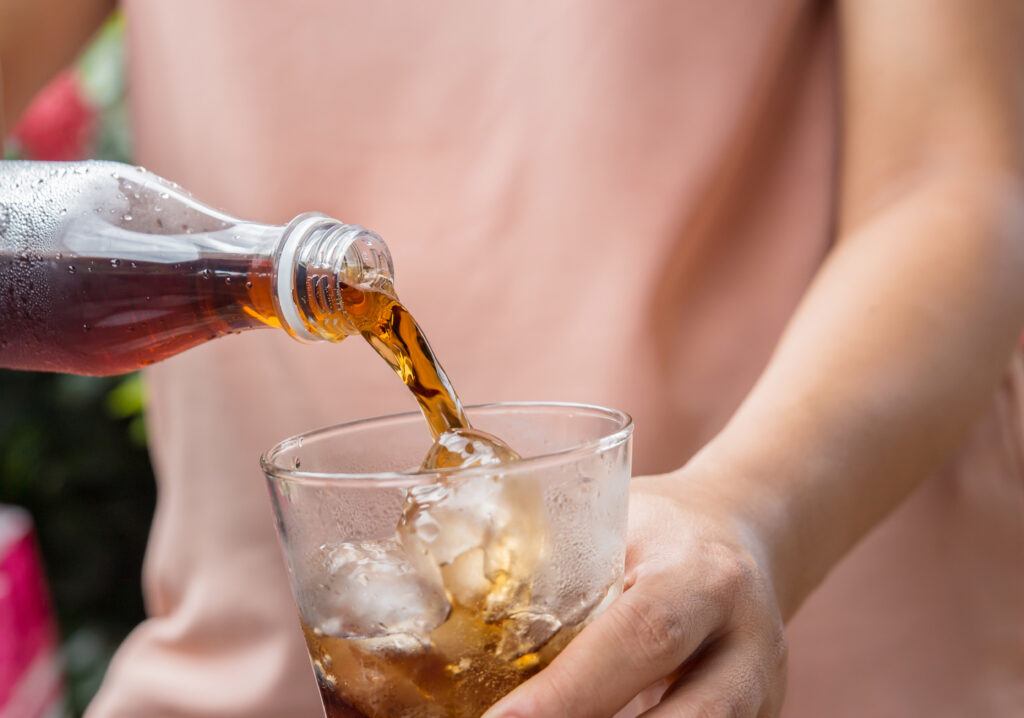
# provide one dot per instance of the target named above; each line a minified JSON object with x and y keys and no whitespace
{"x":787,"y":236}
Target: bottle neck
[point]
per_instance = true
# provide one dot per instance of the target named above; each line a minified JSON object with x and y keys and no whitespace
{"x":316,"y":259}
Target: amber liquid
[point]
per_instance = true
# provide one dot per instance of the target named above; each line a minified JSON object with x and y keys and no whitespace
{"x":393,"y":333}
{"x":114,"y":316}
{"x":460,"y":674}
{"x":99,"y":316}
{"x":117,"y":315}
{"x":109,"y":316}
{"x":465,"y":666}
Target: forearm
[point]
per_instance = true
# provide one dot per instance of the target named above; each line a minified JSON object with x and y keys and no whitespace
{"x":894,"y":351}
{"x":37,"y":39}
{"x":3,"y":110}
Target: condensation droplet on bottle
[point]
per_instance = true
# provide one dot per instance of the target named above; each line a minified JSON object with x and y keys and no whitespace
{"x":115,"y":262}
{"x":227,"y":280}
{"x":136,"y":195}
{"x":86,"y":327}
{"x":165,"y":195}
{"x":157,"y":208}
{"x":71,"y":269}
{"x":148,"y":298}
{"x":135,"y":265}
{"x":248,"y":285}
{"x":205,"y":273}
{"x":126,"y":218}
{"x":58,"y":256}
{"x":297,"y":462}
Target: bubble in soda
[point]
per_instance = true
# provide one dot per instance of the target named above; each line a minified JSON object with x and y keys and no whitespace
{"x":465,"y":448}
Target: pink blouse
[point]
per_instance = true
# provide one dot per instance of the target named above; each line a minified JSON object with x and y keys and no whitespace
{"x":602,"y":201}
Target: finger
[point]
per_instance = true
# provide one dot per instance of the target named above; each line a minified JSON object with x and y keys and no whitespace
{"x":641,"y":638}
{"x":739,"y":678}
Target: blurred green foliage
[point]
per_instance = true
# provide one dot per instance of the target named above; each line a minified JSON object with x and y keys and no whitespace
{"x":102,"y":79}
{"x":73,"y":452}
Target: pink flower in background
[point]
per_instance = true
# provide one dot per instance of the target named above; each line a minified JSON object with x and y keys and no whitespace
{"x":30,"y":685}
{"x":59,"y":123}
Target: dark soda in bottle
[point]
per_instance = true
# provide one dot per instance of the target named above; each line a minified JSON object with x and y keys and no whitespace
{"x":105,"y":268}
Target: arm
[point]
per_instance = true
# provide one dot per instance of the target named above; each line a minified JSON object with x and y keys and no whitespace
{"x":894,"y":350}
{"x":37,"y":39}
{"x":911,"y":323}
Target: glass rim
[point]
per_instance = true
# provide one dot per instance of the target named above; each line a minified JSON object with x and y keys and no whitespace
{"x":414,"y":477}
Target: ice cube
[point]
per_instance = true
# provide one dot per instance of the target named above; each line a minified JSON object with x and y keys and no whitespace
{"x":457,"y":515}
{"x":394,"y":645}
{"x":377,"y":588}
{"x":466,"y":579}
{"x":481,"y":530}
{"x":526,"y":632}
{"x":453,"y":517}
{"x":491,"y":535}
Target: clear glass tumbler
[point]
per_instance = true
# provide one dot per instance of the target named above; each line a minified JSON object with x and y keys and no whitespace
{"x":435,"y":593}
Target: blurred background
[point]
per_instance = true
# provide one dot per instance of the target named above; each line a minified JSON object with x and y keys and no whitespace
{"x":73,"y":449}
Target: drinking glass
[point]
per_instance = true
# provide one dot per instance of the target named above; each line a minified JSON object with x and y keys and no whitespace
{"x":435,"y":593}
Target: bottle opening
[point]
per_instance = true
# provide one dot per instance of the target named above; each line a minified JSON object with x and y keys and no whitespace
{"x":319,"y":257}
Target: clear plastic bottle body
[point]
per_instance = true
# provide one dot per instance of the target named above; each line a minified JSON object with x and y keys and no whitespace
{"x":105,"y":268}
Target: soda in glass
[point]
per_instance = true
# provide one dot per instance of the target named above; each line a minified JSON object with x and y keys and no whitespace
{"x":435,"y":592}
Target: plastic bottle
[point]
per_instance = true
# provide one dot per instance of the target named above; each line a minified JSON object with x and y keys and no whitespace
{"x":105,"y":268}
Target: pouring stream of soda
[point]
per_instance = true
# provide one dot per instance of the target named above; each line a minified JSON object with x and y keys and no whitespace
{"x":393,"y":333}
